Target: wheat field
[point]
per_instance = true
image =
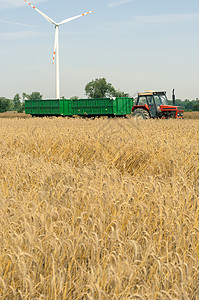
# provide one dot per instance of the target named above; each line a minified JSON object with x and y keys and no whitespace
{"x":99,"y":209}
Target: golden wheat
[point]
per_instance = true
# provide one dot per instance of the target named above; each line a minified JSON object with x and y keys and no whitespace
{"x":99,"y":209}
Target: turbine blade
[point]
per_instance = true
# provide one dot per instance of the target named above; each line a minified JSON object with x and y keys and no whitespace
{"x":41,"y":13}
{"x":73,"y":18}
{"x":55,"y":44}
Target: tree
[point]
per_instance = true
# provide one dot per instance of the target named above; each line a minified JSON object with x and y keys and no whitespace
{"x":36,"y":96}
{"x":187,"y":105}
{"x":118,"y":93}
{"x":5,"y":104}
{"x":33,"y":96}
{"x":100,"y":88}
{"x":25,"y":96}
{"x":196,"y":105}
{"x":16,"y":103}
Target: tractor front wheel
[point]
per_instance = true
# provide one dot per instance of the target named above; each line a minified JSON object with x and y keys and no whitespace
{"x":140,"y":113}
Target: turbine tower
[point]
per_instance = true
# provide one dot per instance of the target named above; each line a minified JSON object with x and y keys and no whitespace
{"x":56,"y":44}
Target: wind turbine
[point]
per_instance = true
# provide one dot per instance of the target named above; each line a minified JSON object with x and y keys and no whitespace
{"x":56,"y":44}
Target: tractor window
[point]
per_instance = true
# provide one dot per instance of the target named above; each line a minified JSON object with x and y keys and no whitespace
{"x":150,"y":100}
{"x":157,"y":100}
{"x":142,"y":100}
{"x":160,"y":100}
{"x":164,"y":100}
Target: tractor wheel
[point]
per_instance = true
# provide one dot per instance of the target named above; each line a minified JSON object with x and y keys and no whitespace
{"x":140,"y":113}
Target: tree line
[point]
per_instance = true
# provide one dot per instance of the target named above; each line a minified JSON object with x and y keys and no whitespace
{"x":17,"y":103}
{"x":188,"y":105}
{"x":98,"y":88}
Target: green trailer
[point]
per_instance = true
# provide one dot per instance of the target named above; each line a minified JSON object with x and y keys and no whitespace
{"x":53,"y":107}
{"x":102,"y":106}
{"x":82,"y":107}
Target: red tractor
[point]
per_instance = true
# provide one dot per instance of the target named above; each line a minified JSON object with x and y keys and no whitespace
{"x":155,"y":105}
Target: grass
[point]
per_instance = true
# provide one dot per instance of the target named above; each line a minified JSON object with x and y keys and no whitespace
{"x":187,"y":115}
{"x":99,"y":209}
{"x":191,"y":115}
{"x":12,"y":115}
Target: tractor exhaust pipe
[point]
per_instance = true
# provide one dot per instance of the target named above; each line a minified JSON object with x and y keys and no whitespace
{"x":173,"y":97}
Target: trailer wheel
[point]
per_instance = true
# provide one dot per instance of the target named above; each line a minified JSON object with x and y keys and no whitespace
{"x":140,"y":113}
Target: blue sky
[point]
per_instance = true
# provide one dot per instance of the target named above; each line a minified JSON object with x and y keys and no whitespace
{"x":135,"y":45}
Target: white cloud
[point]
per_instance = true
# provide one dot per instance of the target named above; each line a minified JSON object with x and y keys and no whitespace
{"x":15,"y":23}
{"x":6,"y":4}
{"x":148,"y":21}
{"x":161,"y":19}
{"x":118,"y":3}
{"x":15,"y":35}
{"x":11,"y":2}
{"x":20,"y":35}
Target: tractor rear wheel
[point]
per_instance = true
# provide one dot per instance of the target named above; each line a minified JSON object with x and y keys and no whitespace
{"x":140,"y":113}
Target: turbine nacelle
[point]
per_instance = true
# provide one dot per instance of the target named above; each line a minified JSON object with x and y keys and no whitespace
{"x":56,"y":43}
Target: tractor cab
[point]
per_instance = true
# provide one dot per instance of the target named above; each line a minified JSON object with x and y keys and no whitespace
{"x":151,"y":104}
